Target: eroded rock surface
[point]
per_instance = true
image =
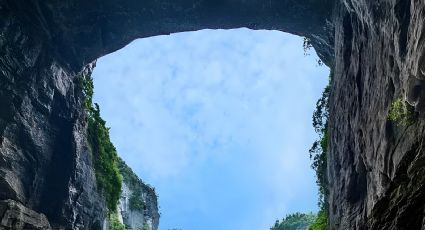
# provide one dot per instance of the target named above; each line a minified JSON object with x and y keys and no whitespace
{"x":15,"y":216}
{"x":45,"y":163}
{"x":375,"y":166}
{"x":44,"y":159}
{"x":138,"y":205}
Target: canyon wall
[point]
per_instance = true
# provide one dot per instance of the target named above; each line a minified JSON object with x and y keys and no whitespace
{"x":375,"y":166}
{"x":138,"y":205}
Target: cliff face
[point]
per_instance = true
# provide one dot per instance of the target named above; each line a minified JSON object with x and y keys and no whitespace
{"x":46,"y":170}
{"x":44,"y":162}
{"x":47,"y":178}
{"x":138,"y":207}
{"x":375,"y":166}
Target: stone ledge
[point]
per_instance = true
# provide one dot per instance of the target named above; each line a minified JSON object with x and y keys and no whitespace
{"x":14,"y":215}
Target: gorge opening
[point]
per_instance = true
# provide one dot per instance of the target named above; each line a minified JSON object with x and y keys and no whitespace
{"x":218,"y":121}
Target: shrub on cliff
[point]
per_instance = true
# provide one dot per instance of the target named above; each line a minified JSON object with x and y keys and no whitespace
{"x":115,"y":224}
{"x":136,"y":201}
{"x":104,"y":154}
{"x":321,"y":221}
{"x":401,"y":112}
{"x":319,"y":152}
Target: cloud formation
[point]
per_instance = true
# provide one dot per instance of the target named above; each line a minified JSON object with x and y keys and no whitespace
{"x":218,"y":121}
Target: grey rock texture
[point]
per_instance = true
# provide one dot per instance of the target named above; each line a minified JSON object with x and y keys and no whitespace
{"x":44,"y":160}
{"x":138,"y":218}
{"x":16,"y":216}
{"x":130,"y":218}
{"x":77,"y":31}
{"x":134,"y":190}
{"x":46,"y":45}
{"x":375,"y":167}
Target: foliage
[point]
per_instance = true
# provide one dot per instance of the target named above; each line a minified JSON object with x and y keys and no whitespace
{"x":318,"y":154}
{"x":294,"y":222}
{"x":114,"y":223}
{"x":401,"y":112}
{"x":321,"y":221}
{"x":136,"y":201}
{"x":88,"y":90}
{"x":104,"y":153}
{"x":307,"y":45}
{"x":145,"y":227}
{"x":319,"y":149}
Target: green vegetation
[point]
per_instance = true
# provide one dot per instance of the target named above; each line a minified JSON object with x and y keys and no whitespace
{"x":307,"y":45}
{"x":105,"y":158}
{"x":401,"y":112}
{"x":133,"y":182}
{"x":104,"y":153}
{"x":318,"y":154}
{"x":136,"y":202}
{"x":114,"y":223}
{"x":294,"y":222}
{"x":321,"y":221}
{"x":88,"y":90}
{"x":145,"y":227}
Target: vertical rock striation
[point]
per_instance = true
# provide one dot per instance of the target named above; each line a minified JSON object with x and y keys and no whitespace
{"x":45,"y":165}
{"x":45,"y":162}
{"x":375,"y":166}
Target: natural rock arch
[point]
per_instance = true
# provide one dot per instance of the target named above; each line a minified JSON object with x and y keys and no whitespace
{"x":46,"y":45}
{"x":81,"y":31}
{"x":373,"y":46}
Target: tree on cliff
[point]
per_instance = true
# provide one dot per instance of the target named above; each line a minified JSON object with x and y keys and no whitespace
{"x":296,"y":221}
{"x":104,"y":154}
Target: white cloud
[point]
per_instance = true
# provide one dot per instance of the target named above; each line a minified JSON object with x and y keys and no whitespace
{"x":218,"y":121}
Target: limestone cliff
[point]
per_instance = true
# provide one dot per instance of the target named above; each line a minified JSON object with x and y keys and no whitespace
{"x":138,"y":207}
{"x":45,"y":165}
{"x":375,"y":166}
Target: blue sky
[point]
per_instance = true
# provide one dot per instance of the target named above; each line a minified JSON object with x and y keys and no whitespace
{"x":218,"y":121}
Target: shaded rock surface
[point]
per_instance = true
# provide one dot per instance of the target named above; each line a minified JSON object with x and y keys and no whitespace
{"x":45,"y":46}
{"x":16,"y":216}
{"x":44,"y":160}
{"x":375,"y":167}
